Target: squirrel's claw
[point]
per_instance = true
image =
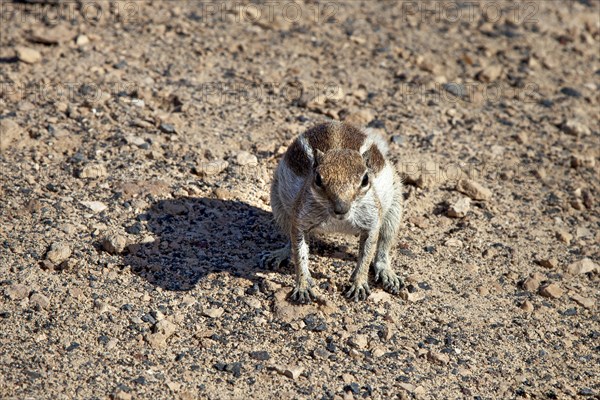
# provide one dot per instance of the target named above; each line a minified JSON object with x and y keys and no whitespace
{"x":390,"y":281}
{"x":303,"y":295}
{"x":358,"y":291}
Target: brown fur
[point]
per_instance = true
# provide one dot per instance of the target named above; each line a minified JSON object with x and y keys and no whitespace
{"x":324,"y":137}
{"x":374,"y":159}
{"x":297,"y":159}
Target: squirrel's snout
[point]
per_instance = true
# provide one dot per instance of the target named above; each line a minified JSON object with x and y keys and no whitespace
{"x":341,"y":208}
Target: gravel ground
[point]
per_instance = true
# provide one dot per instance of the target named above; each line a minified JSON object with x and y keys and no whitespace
{"x":137,"y":147}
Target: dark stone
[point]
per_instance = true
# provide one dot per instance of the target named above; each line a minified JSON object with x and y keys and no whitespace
{"x":455,"y":89}
{"x":260,"y":355}
{"x":235,"y":368}
{"x":568,"y":91}
{"x":424,"y":285}
{"x":148,"y":318}
{"x":430,"y":249}
{"x":220,"y":366}
{"x":73,"y":346}
{"x":569,"y":312}
{"x":140,"y":380}
{"x":120,"y":65}
{"x":331,"y":347}
{"x":353,"y":387}
{"x":167,"y":128}
{"x":377,"y":124}
{"x":431,"y":340}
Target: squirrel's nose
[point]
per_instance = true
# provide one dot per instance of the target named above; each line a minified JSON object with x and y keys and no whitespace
{"x":341,"y":207}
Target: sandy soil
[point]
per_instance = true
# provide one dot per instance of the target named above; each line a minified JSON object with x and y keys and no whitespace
{"x":137,"y":147}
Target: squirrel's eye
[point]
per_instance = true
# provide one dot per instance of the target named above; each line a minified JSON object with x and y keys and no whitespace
{"x":365,"y":181}
{"x":318,"y":180}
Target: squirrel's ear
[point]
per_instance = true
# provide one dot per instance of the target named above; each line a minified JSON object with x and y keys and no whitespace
{"x":318,"y":156}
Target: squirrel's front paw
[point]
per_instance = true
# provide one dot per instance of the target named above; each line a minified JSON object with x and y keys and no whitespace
{"x":303,"y":295}
{"x":358,"y":291}
{"x":390,"y":281}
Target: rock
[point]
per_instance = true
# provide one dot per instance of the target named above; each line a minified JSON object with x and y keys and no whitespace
{"x":244,"y":158}
{"x":163,"y":329}
{"x":483,"y":291}
{"x":582,"y":267}
{"x":582,"y":301}
{"x":588,"y":198}
{"x":167,"y":128}
{"x":532,"y":283}
{"x":28,"y":55}
{"x":213,"y":312}
{"x":58,"y":252}
{"x":460,"y":208}
{"x":39,"y":300}
{"x":122,"y":395}
{"x":114,"y":243}
{"x":552,"y":291}
{"x":489,"y":73}
{"x":359,"y":341}
{"x":260,"y":355}
{"x":93,"y":171}
{"x":551,"y":263}
{"x":407,"y":387}
{"x":582,"y":161}
{"x":440,"y":358}
{"x":527,"y":306}
{"x":575,"y":128}
{"x":456,"y":89}
{"x":453,"y":242}
{"x":82,"y":40}
{"x":473,"y":189}
{"x":292,"y":372}
{"x":571,"y":92}
{"x":95,"y":206}
{"x":54,"y":35}
{"x":136,"y":141}
{"x":564,"y":236}
{"x":103,"y":307}
{"x":10,"y":132}
{"x":210,"y":168}
{"x":380,"y":296}
{"x":360,"y":118}
{"x":17,"y":291}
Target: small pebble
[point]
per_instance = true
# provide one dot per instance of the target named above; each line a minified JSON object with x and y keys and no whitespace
{"x":58,"y":252}
{"x":460,"y":208}
{"x":28,"y":55}
{"x":583,"y":266}
{"x":473,"y":189}
{"x":114,"y":243}
{"x":552,"y":291}
{"x":39,"y":300}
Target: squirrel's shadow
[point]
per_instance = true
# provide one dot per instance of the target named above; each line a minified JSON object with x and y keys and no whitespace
{"x":193,"y":237}
{"x":196,"y":236}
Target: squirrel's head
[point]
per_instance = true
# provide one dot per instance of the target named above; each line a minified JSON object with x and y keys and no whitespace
{"x":340,"y":177}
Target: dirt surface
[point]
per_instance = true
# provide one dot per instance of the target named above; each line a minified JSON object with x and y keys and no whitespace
{"x":137,"y":149}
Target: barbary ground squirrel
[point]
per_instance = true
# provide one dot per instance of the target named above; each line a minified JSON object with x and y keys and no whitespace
{"x":335,"y":178}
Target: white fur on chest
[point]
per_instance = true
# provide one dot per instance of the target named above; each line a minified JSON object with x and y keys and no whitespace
{"x":332,"y":225}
